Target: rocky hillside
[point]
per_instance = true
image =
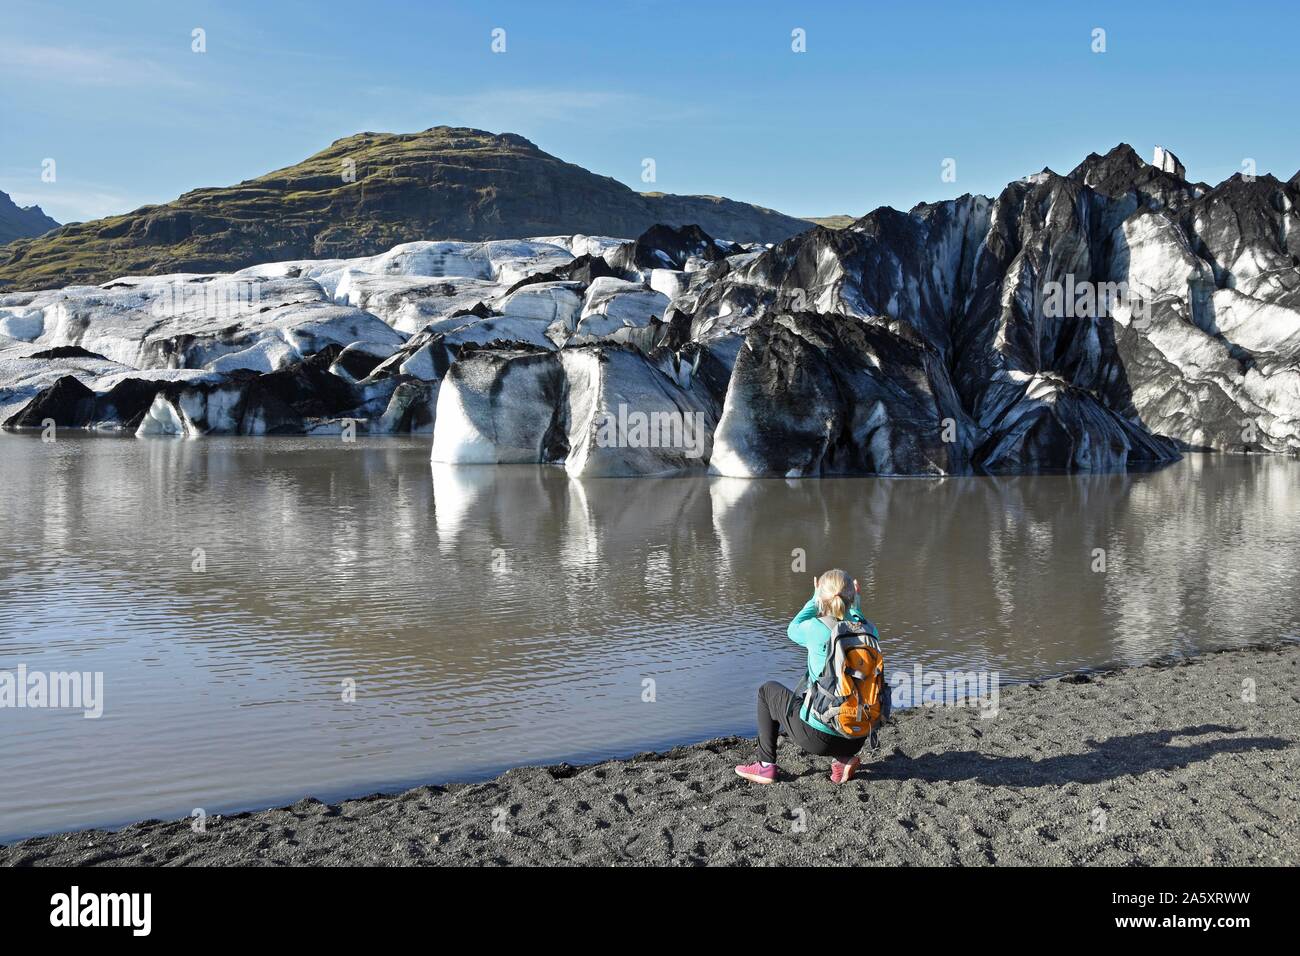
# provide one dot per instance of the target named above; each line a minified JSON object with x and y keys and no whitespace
{"x":365,"y":194}
{"x":1112,"y":317}
{"x":21,"y":222}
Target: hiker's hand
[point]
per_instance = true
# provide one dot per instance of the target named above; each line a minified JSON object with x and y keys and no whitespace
{"x":856,"y":589}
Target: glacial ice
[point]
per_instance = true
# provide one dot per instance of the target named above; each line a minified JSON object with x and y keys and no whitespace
{"x":908,"y":343}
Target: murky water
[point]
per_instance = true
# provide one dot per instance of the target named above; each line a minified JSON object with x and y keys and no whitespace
{"x":231,"y":592}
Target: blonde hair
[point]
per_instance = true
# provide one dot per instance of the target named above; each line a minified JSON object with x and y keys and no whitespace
{"x":834,"y":594}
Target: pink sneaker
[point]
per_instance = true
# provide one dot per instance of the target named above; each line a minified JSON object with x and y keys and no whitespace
{"x":757,"y":773}
{"x":842,"y":772}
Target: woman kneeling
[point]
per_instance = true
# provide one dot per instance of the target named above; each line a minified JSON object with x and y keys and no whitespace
{"x":835,"y":598}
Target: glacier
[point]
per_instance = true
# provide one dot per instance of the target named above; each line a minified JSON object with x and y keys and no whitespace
{"x":908,"y":343}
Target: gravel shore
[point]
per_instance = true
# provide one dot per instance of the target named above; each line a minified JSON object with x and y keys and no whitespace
{"x":1161,"y":764}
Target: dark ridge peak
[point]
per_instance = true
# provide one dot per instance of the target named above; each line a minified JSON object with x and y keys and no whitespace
{"x":883,"y":214}
{"x":843,"y":242}
{"x":1237,"y":191}
{"x":1043,"y":185}
{"x":689,"y":233}
{"x":669,"y":246}
{"x":1126,"y":152}
{"x":1046,"y":174}
{"x":1122,"y":172}
{"x":926,"y":209}
{"x":885,"y":223}
{"x":1239,"y":179}
{"x":1118,"y":158}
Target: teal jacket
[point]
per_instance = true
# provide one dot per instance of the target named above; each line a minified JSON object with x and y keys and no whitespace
{"x":809,"y":632}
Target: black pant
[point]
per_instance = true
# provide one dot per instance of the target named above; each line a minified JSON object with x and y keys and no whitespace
{"x":778,"y":709}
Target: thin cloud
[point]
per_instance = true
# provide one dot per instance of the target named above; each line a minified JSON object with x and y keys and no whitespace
{"x":79,"y":66}
{"x":77,"y":203}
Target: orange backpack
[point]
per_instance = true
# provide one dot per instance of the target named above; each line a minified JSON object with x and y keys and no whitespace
{"x":851,"y":695}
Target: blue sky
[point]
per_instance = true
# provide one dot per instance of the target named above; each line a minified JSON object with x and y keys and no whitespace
{"x":712,"y":91}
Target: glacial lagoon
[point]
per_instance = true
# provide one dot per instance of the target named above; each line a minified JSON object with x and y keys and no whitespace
{"x":277,"y":617}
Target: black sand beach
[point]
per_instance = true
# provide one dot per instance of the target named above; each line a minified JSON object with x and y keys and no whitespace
{"x":1159,"y":764}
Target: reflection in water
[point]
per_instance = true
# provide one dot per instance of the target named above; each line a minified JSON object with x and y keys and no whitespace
{"x":492,"y":616}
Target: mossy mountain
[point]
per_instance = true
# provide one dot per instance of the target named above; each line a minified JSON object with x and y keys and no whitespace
{"x":361,"y":196}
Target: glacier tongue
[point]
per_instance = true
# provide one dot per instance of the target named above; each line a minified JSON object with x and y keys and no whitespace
{"x":1107,"y":318}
